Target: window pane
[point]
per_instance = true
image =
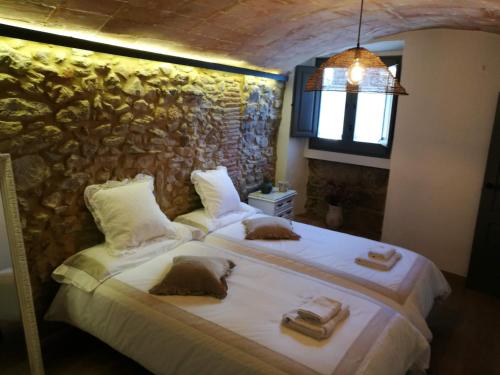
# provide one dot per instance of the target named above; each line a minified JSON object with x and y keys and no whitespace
{"x":373,"y":116}
{"x":331,"y":115}
{"x":370,"y":114}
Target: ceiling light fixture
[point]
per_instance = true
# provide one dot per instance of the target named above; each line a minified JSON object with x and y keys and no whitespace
{"x":355,"y":70}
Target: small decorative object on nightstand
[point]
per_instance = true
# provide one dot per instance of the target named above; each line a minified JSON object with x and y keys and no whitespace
{"x":282,"y":186}
{"x":275,"y":203}
{"x":266,"y":187}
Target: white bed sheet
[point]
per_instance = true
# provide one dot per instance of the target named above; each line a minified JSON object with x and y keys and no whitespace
{"x":259,"y":293}
{"x":334,"y":252}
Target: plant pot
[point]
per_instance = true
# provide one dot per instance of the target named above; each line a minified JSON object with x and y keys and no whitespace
{"x":266,"y":187}
{"x":334,"y":217}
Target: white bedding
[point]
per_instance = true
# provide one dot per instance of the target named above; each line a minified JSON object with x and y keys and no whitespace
{"x":89,"y":268}
{"x":334,"y":253}
{"x":153,"y":330}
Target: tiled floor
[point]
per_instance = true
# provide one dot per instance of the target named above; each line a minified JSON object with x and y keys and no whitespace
{"x":466,"y":330}
{"x":13,"y":358}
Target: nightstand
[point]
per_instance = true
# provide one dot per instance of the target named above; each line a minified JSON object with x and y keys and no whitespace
{"x":274,"y":203}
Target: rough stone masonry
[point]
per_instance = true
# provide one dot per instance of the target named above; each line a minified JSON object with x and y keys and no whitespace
{"x":70,"y":118}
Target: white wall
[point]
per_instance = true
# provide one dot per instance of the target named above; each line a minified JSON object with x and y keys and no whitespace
{"x":441,"y":143}
{"x":440,"y":146}
{"x":291,"y":165}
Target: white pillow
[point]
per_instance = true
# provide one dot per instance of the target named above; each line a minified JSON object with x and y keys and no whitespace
{"x":127,"y":212}
{"x":89,"y":268}
{"x":216,"y":190}
{"x":203,"y":221}
{"x":92,"y":189}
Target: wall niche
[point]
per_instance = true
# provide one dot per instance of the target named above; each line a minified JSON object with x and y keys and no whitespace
{"x":366,"y":188}
{"x":70,"y":118}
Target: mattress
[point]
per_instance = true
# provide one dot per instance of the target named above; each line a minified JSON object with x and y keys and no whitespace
{"x":411,"y":287}
{"x":241,"y":334}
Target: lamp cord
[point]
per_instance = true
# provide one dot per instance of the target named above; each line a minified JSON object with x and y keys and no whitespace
{"x":360,"y":19}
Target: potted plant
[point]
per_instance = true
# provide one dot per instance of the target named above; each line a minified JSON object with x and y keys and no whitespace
{"x":267,"y":185}
{"x":338,"y":196}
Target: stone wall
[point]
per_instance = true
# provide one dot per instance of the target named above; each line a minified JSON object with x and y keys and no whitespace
{"x":70,"y":118}
{"x":366,"y":190}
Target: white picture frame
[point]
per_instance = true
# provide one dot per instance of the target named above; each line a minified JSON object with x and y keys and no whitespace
{"x":20,"y":265}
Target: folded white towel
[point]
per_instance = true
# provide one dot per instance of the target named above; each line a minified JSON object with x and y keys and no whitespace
{"x":381,"y":254}
{"x":320,"y":310}
{"x":379,"y":264}
{"x":319,"y":332}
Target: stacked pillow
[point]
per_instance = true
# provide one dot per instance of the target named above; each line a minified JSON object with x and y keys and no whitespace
{"x":127,"y":212}
{"x":135,"y":228}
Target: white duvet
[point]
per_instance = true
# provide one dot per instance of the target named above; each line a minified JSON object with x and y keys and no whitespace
{"x":259,"y":293}
{"x":334,"y":252}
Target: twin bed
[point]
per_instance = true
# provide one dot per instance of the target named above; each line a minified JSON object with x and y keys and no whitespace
{"x":410,"y":288}
{"x":107,"y":296}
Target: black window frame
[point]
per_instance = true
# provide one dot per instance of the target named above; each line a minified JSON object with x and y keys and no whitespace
{"x":347,"y":144}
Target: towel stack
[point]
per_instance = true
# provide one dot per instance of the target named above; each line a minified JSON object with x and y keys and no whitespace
{"x":380,"y":259}
{"x":317,"y":318}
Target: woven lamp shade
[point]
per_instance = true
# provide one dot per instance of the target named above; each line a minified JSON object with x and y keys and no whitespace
{"x":332,"y":74}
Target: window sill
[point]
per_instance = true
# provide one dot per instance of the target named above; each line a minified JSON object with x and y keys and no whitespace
{"x":367,"y":161}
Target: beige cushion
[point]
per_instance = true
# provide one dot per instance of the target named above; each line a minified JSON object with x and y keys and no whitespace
{"x":269,"y":228}
{"x":197,"y":276}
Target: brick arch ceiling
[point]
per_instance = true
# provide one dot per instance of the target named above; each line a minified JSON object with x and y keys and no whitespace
{"x":272,"y":34}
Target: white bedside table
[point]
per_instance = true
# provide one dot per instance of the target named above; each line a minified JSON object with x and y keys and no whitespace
{"x":274,"y":203}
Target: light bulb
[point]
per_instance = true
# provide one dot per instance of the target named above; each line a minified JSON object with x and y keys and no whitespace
{"x":355,"y":73}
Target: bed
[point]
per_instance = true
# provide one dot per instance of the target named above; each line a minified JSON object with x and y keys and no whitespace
{"x":242,"y":333}
{"x":411,"y":287}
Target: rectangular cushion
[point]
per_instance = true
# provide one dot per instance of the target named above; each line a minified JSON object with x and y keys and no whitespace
{"x":269,"y":228}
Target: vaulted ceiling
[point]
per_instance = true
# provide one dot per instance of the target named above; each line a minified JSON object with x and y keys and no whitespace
{"x":272,"y":34}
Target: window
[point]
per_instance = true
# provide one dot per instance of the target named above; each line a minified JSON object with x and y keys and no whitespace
{"x":360,"y":124}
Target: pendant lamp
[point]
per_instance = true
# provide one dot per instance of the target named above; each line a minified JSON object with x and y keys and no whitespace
{"x":355,"y":70}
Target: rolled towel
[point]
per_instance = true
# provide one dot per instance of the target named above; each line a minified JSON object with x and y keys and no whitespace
{"x":379,"y":264}
{"x":320,"y":310}
{"x":381,"y":254}
{"x":293,"y":321}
